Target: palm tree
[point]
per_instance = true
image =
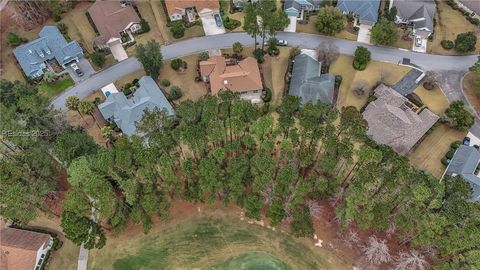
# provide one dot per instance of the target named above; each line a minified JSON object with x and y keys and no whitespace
{"x":72,"y":103}
{"x":107,"y":133}
{"x":87,"y":107}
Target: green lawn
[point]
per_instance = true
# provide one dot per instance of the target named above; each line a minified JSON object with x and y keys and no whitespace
{"x":50,"y":90}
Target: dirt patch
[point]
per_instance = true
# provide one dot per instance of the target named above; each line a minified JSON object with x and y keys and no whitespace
{"x":78,"y":26}
{"x":428,"y":153}
{"x":472,"y":91}
{"x":274,"y":69}
{"x":434,"y":99}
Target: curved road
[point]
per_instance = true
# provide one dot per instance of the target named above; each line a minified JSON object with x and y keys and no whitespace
{"x":303,"y":40}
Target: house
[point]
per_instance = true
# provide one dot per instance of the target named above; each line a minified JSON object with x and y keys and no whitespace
{"x":307,"y":82}
{"x":23,"y":250}
{"x":126,"y":112}
{"x":36,"y":55}
{"x":297,"y":8}
{"x":188,"y":9}
{"x":366,"y":11}
{"x":419,"y":13}
{"x":473,"y":5}
{"x":465,"y":163}
{"x":115,"y":23}
{"x":393,"y":120}
{"x":241,"y":77}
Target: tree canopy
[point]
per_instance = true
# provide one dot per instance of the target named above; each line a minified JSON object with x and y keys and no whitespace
{"x":150,"y":57}
{"x":384,"y":32}
{"x":330,"y":20}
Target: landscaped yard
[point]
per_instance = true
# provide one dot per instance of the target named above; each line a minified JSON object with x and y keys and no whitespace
{"x":375,"y":70}
{"x":428,"y":154}
{"x":50,"y":90}
{"x":207,"y":238}
{"x":449,"y":24}
{"x":185,"y":80}
{"x":310,"y":28}
{"x":434,"y":99}
{"x":472,"y":91}
{"x":274,"y":69}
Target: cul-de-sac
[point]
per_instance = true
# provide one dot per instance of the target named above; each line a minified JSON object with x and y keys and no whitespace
{"x":239,"y":134}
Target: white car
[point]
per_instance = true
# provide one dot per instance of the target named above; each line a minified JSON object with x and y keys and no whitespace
{"x":77,"y":70}
{"x":282,"y":42}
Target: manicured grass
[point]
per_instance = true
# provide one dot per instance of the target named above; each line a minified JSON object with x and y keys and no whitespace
{"x":52,"y":89}
{"x":205,"y":242}
{"x":253,"y":260}
{"x":428,"y":154}
{"x":391,"y":74}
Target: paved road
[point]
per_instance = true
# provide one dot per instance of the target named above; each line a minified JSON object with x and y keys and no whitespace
{"x":303,"y":40}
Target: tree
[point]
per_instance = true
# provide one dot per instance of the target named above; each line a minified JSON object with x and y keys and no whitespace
{"x":150,"y":57}
{"x":375,"y":252}
{"x":327,"y":53}
{"x":384,"y":32}
{"x":98,"y":58}
{"x":237,"y":47}
{"x":411,"y":260}
{"x":203,"y":56}
{"x":15,"y":40}
{"x":82,"y":230}
{"x":176,"y":64}
{"x":250,"y":24}
{"x":107,"y":133}
{"x":144,"y":25}
{"x":62,"y":27}
{"x":175,"y":93}
{"x":391,"y":14}
{"x":87,"y":107}
{"x":458,"y":116}
{"x":361,"y":58}
{"x":330,"y":20}
{"x":73,"y":143}
{"x":360,"y":88}
{"x":302,"y":225}
{"x":466,"y":42}
{"x":178,"y":29}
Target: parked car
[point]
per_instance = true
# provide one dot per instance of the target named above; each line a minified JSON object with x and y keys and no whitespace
{"x":218,"y":20}
{"x":282,"y":42}
{"x":418,"y":41}
{"x":466,"y":141}
{"x":77,"y":70}
{"x":476,"y":146}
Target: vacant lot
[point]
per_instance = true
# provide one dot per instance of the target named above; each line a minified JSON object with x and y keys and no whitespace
{"x":375,"y":71}
{"x":274,"y":69}
{"x":78,"y":26}
{"x":310,"y":28}
{"x":203,"y":240}
{"x":427,"y":155}
{"x":50,"y":90}
{"x":450,"y":23}
{"x":434,"y":99}
{"x":191,"y":89}
{"x":472,"y":91}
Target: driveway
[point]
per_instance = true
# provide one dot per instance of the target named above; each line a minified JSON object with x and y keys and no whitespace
{"x":422,"y":48}
{"x":85,"y":67}
{"x":210,"y":25}
{"x":118,"y":52}
{"x":292,"y":26}
{"x":364,"y":33}
{"x":303,"y":40}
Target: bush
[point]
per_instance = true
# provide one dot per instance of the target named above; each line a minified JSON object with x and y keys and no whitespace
{"x":450,"y":153}
{"x":145,"y":26}
{"x":473,"y":21}
{"x":176,"y":64}
{"x":455,"y":144}
{"x":98,"y":58}
{"x":338,"y":80}
{"x":267,"y":95}
{"x":165,"y":82}
{"x":259,"y":55}
{"x":361,"y":58}
{"x":203,"y":56}
{"x":175,"y":93}
{"x":237,"y":47}
{"x":62,"y":28}
{"x":447,"y":44}
{"x":15,"y":40}
{"x":230,"y":24}
{"x":127,"y":91}
{"x":458,"y":117}
{"x":465,"y":42}
{"x":127,"y":86}
{"x":135,"y":82}
{"x":444,"y":161}
{"x":178,"y":29}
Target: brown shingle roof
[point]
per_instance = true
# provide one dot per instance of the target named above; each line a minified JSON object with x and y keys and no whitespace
{"x":392,"y":121}
{"x":18,"y":248}
{"x":110,"y":18}
{"x":243,"y":77}
{"x":177,"y":6}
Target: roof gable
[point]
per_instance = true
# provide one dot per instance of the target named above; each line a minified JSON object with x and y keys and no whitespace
{"x":366,"y":10}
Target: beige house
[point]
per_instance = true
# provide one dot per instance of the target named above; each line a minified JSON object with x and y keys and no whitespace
{"x":188,"y":9}
{"x":241,"y":77}
{"x":395,"y":121}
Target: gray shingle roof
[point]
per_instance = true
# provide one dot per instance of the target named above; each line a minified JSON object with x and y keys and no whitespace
{"x":125,"y":112}
{"x":408,"y":83}
{"x":366,"y":10}
{"x":464,"y":163}
{"x":420,"y":12}
{"x":50,"y":45}
{"x":308,"y":83}
{"x":293,"y":7}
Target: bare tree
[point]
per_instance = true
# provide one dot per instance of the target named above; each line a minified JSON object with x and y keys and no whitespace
{"x":375,"y":252}
{"x":430,"y":80}
{"x":268,"y":195}
{"x":360,"y":88}
{"x":314,"y":208}
{"x":412,"y":260}
{"x":327,"y":53}
{"x":351,"y":238}
{"x":384,"y":75}
{"x":28,"y":14}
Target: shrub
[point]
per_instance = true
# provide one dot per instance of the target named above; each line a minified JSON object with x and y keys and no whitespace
{"x":259,"y":55}
{"x":98,"y":58}
{"x":165,"y":82}
{"x":444,"y":161}
{"x":127,"y":86}
{"x":458,"y":117}
{"x":465,"y":42}
{"x":203,"y":56}
{"x":15,"y":40}
{"x":384,"y":32}
{"x":450,"y":153}
{"x":338,"y":80}
{"x":474,"y":21}
{"x":175,"y":93}
{"x":135,"y":81}
{"x":178,"y":29}
{"x":267,"y":95}
{"x":455,"y":144}
{"x":62,"y":28}
{"x":144,"y":25}
{"x":447,"y":44}
{"x":361,"y":58}
{"x":176,"y":64}
{"x":230,"y":24}
{"x":237,"y":47}
{"x":127,"y":91}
